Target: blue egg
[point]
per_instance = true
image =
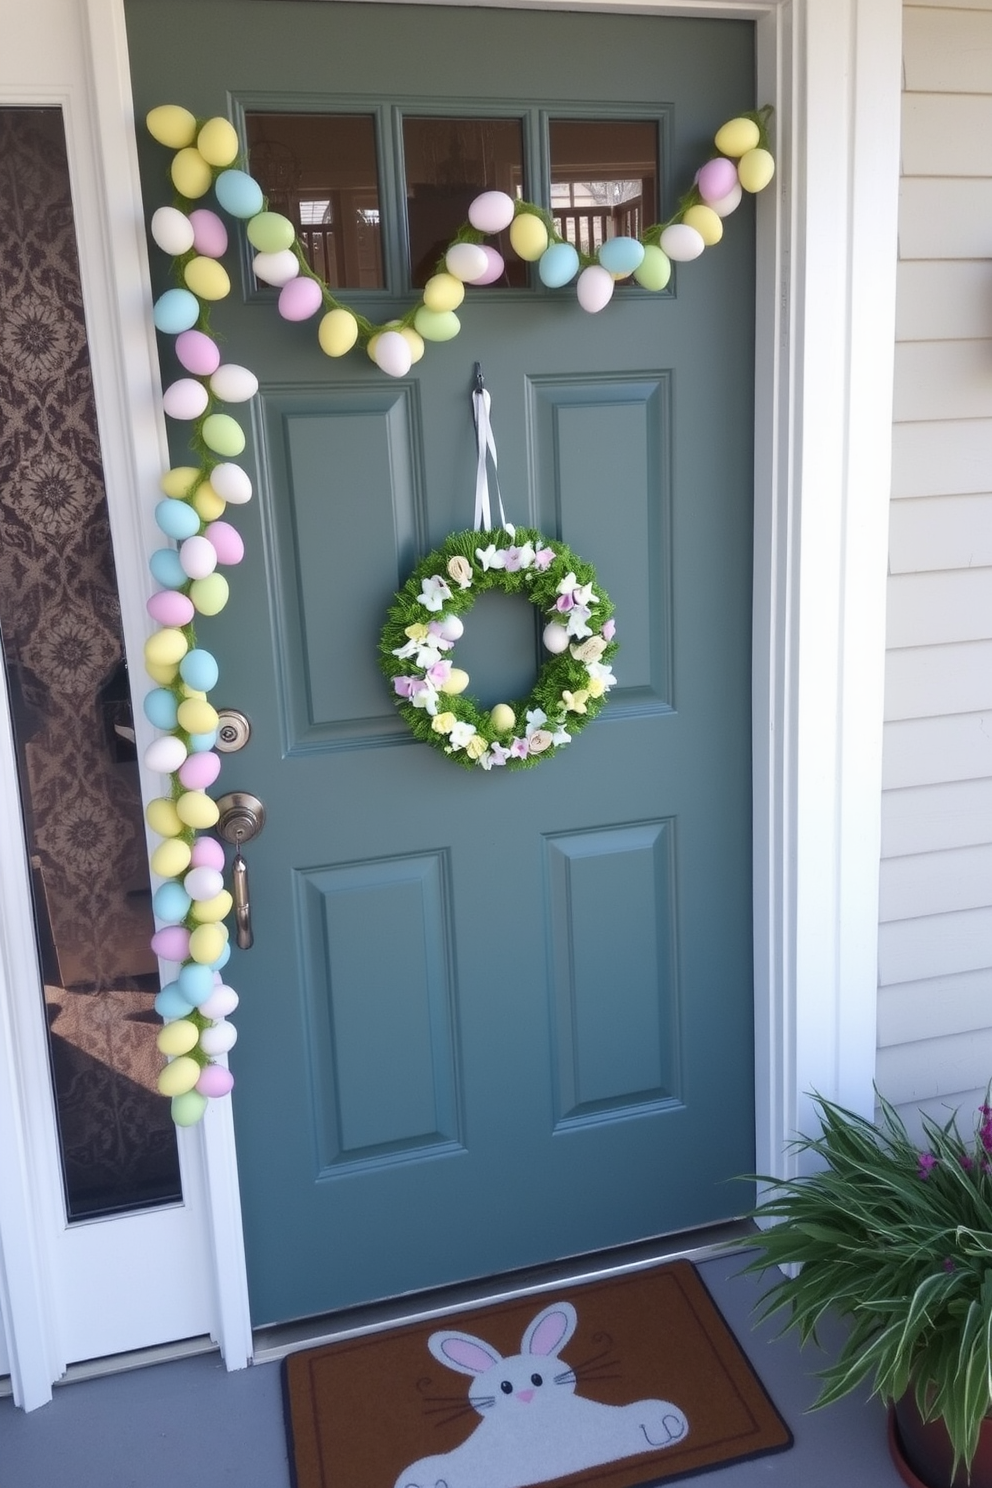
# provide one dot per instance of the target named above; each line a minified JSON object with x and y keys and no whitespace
{"x":222,"y":959}
{"x":199,"y":669}
{"x":238,"y":193}
{"x":196,"y":982}
{"x":166,"y":568}
{"x":200,"y":743}
{"x":170,"y":1003}
{"x":176,"y":519}
{"x":558,"y":265}
{"x":161,"y":707}
{"x":176,"y":310}
{"x":171,"y":903}
{"x":621,"y":255}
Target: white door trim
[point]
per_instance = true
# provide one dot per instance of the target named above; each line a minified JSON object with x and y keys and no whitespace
{"x":825,"y":336}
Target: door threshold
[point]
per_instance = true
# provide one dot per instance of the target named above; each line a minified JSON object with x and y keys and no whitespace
{"x":279,"y":1339}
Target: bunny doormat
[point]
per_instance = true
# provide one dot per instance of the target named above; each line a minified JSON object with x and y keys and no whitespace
{"x":618,"y":1383}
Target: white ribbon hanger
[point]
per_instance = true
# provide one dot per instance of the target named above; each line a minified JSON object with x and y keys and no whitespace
{"x":486,"y":444}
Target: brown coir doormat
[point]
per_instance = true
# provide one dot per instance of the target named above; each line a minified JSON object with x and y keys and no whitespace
{"x":621,"y":1383}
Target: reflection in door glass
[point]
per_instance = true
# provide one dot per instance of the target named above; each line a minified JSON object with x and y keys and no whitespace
{"x":320,"y":171}
{"x":70,"y":706}
{"x":448,"y":163}
{"x":604,"y":179}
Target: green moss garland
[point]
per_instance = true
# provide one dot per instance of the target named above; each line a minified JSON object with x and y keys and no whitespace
{"x":570,"y":688}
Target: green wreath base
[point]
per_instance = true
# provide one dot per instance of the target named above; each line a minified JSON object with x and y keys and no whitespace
{"x":570,"y":688}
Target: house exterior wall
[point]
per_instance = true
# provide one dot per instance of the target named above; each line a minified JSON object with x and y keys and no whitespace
{"x":935,"y":934}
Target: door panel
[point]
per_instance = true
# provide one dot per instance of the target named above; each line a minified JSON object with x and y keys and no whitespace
{"x":488,"y":1020}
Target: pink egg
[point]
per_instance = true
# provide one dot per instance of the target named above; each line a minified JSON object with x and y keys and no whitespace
{"x":209,"y":233}
{"x":198,"y":557}
{"x":185,"y":399}
{"x":207,"y":853}
{"x":199,"y":771}
{"x":491,"y":212}
{"x":197,"y":353}
{"x":169,"y":607}
{"x":496,"y":266}
{"x":716,"y":179}
{"x":215,"y":1081}
{"x":300,"y":298}
{"x":171,"y":943}
{"x":227,"y":542}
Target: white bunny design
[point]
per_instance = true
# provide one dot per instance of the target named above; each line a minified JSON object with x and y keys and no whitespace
{"x":534,"y":1427}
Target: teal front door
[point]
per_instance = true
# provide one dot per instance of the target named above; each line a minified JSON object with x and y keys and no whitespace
{"x":489,"y":1019}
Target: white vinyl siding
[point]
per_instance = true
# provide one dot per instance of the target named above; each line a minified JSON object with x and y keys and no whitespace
{"x":935,"y":935}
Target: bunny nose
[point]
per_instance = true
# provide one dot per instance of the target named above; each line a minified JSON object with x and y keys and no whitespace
{"x":525,"y":1395}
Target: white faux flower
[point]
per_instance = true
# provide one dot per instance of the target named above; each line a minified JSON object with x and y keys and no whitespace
{"x":435,"y":592}
{"x":604,"y":673}
{"x":460,"y":734}
{"x":536,"y":719}
{"x":491,"y":557}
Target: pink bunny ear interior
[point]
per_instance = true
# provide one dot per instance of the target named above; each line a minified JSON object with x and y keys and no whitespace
{"x":551,"y":1329}
{"x":463,"y":1352}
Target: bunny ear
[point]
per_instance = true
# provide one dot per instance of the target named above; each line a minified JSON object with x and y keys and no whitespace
{"x":463,"y":1352}
{"x":550,"y":1330}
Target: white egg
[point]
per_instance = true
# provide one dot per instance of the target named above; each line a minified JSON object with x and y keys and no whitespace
{"x":172,"y":231}
{"x":276,"y":268}
{"x":233,"y":384}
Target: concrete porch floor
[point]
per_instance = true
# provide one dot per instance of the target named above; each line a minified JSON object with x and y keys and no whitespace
{"x":190,"y":1424}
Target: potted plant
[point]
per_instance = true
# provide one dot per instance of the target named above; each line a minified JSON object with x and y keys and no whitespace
{"x":895,"y":1238}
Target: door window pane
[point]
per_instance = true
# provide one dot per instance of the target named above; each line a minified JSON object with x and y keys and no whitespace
{"x":604,"y":179}
{"x":448,"y":163}
{"x":320,"y":171}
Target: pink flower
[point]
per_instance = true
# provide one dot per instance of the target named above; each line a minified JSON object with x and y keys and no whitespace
{"x":520,"y":748}
{"x":403,"y":686}
{"x":564,"y":603}
{"x":609,"y":630}
{"x":543,"y":558}
{"x":512,"y":560}
{"x":927,"y":1163}
{"x":499,"y":754}
{"x":439,"y":672}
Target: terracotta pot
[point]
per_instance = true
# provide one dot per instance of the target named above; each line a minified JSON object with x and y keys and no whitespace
{"x":921,"y":1450}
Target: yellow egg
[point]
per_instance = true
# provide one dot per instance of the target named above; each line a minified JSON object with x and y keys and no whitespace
{"x":456,"y":682}
{"x":737,"y":137}
{"x":166,"y":647}
{"x":207,"y":504}
{"x":371,"y":346}
{"x":337,"y":332}
{"x":197,"y":716}
{"x":162,"y":817}
{"x":161,"y":672}
{"x":197,"y":809}
{"x":171,"y":858}
{"x":755,"y":170}
{"x":179,"y":1076}
{"x":414,"y":341}
{"x":706,"y":222}
{"x":207,"y":278}
{"x":209,"y":911}
{"x":529,"y":236}
{"x":443,"y":292}
{"x":179,"y":481}
{"x":178,"y":1037}
{"x":502,"y":717}
{"x":171,"y":125}
{"x":191,"y":175}
{"x":217,"y":142}
{"x":206,"y":943}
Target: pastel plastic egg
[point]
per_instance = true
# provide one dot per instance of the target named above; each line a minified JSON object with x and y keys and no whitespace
{"x":170,"y":608}
{"x":621,"y":256}
{"x":178,"y":1037}
{"x":197,"y":716}
{"x":233,"y":384}
{"x":206,"y":503}
{"x":276,"y":268}
{"x":492,"y":211}
{"x":455,"y":682}
{"x":172,"y":231}
{"x":163,"y":676}
{"x":197,"y":353}
{"x":203,"y":882}
{"x":166,"y":568}
{"x":502,"y":717}
{"x":170,"y":902}
{"x":210,"y":595}
{"x":555,"y":638}
{"x":161,"y":816}
{"x":218,"y":1038}
{"x":466,"y":261}
{"x":160,"y":706}
{"x":755,"y":170}
{"x":654,"y":270}
{"x":337,"y":332}
{"x":595,"y":288}
{"x":180,"y":481}
{"x":716,"y":178}
{"x":415,"y":342}
{"x":270,"y":232}
{"x":529,"y":236}
{"x":222,"y":959}
{"x":217,"y":142}
{"x":300,"y":298}
{"x":452,"y":627}
{"x":172,"y":942}
{"x":558,"y":266}
{"x":443,"y":292}
{"x":199,"y":771}
{"x":238,"y":194}
{"x":195,"y":982}
{"x":736,"y":137}
{"x":170,"y":859}
{"x":170,"y":1002}
{"x":227,"y":543}
{"x":185,"y":399}
{"x":223,"y":434}
{"x":207,"y":853}
{"x":214,"y":1082}
{"x":435,"y":326}
{"x":191,"y":175}
{"x":222,"y":1001}
{"x":209,"y":233}
{"x":179,"y":1076}
{"x":176,"y":310}
{"x":189,"y":1108}
{"x":171,"y":125}
{"x":199,"y":743}
{"x":197,"y":809}
{"x":199,"y":669}
{"x":176,"y":519}
{"x":681,"y":243}
{"x":706,"y":222}
{"x":165,"y":755}
{"x":207,"y":911}
{"x":198,"y":557}
{"x":231,"y":483}
{"x":206,"y":943}
{"x":168,"y":645}
{"x":730,"y":202}
{"x":207,"y":278}
{"x":496,"y":267}
{"x":392,"y":353}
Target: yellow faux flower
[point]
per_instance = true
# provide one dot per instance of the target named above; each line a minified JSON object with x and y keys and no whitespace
{"x":575,"y":702}
{"x":443,"y":723}
{"x":476,"y":747}
{"x":595,"y":687}
{"x":418,"y":632}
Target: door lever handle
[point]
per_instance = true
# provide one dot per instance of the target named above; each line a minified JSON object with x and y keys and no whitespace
{"x":242,"y":903}
{"x":242,"y":817}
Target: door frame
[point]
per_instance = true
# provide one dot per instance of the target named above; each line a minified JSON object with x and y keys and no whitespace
{"x":824,"y":351}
